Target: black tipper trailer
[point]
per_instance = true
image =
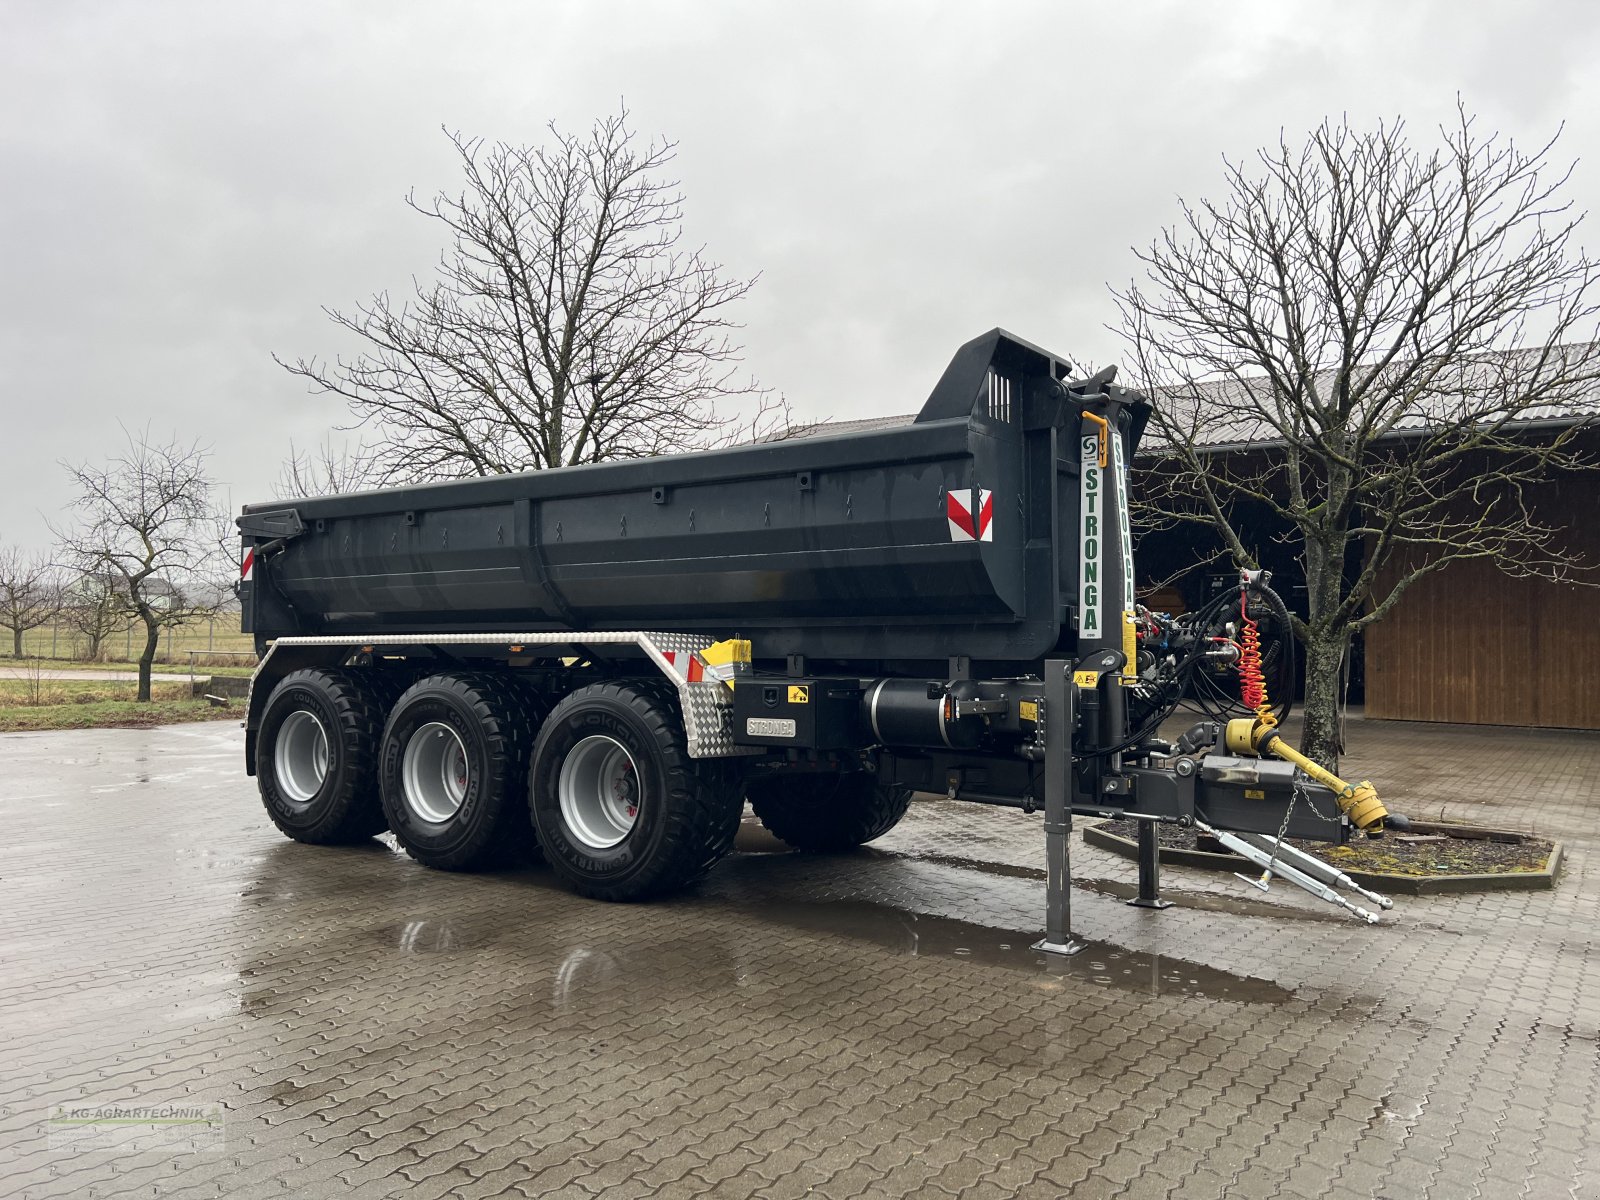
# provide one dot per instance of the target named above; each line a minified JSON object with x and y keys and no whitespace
{"x":610,"y":659}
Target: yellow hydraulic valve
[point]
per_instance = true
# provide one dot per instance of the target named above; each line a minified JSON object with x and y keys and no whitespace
{"x":1357,"y":801}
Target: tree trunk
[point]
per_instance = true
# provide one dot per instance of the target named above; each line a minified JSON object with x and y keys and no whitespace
{"x":94,"y":647}
{"x":16,"y":641}
{"x":147,"y":657}
{"x":1324,"y":658}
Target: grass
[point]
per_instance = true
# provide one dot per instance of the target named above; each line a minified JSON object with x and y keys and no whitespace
{"x":95,"y":704}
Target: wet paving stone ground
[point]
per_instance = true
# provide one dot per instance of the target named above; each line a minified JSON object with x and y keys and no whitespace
{"x":871,"y":1024}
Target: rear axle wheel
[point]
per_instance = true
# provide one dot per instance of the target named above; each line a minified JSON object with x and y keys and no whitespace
{"x":825,"y":813}
{"x":622,"y":811}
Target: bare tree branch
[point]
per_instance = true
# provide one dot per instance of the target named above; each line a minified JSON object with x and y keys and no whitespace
{"x":325,"y":470}
{"x":566,"y":323}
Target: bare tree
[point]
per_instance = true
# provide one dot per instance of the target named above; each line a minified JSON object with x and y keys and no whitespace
{"x":30,"y":593}
{"x":326,"y":470}
{"x":146,"y":521}
{"x":95,"y":607}
{"x":1388,"y":327}
{"x":565,"y":324}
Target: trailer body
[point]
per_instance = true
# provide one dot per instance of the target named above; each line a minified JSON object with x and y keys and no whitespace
{"x":921,"y":541}
{"x":943,"y":606}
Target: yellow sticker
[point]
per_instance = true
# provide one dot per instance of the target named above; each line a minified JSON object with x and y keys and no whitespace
{"x":1028,"y":710}
{"x":1254,"y":794}
{"x":1086,"y":679}
{"x":799,"y":693}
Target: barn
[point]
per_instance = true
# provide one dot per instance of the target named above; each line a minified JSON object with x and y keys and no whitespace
{"x":1467,"y":644}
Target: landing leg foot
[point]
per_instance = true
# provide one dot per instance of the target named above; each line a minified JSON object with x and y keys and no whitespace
{"x":1065,"y":949}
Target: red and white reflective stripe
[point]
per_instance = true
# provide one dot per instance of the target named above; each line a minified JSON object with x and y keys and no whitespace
{"x":686,"y":664}
{"x":958,"y":510}
{"x":248,"y":568}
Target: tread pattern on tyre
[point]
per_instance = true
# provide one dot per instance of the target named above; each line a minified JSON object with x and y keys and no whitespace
{"x":702,"y":819}
{"x":359,"y":703}
{"x":508,"y":714}
{"x":822,"y":814}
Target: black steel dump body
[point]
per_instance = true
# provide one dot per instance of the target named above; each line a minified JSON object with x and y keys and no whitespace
{"x":956,"y":534}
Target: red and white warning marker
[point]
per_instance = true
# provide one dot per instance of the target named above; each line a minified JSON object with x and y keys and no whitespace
{"x":959,"y":509}
{"x":686,"y":665}
{"x":247,"y":569}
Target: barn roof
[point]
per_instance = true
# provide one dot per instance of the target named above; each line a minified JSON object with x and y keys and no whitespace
{"x":1228,"y":414}
{"x":1239,"y":412}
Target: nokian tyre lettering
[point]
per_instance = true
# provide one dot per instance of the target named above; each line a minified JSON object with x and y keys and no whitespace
{"x":494,"y":720}
{"x":687,"y":809}
{"x":821,"y":814}
{"x":350,"y":711}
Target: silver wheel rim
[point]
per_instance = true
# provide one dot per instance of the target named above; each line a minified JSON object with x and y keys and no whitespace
{"x":434,"y":773}
{"x":599,"y":791}
{"x":300,"y":758}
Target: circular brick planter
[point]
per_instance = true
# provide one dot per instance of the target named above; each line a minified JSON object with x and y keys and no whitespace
{"x":1402,"y":885}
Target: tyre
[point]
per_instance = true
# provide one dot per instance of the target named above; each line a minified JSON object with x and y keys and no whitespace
{"x":825,"y":813}
{"x":621,"y":810}
{"x":453,"y":771}
{"x":317,"y":753}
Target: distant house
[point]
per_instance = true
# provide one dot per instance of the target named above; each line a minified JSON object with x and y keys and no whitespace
{"x":90,"y":586}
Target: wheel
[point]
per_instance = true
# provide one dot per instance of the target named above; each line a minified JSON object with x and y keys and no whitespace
{"x":316,"y":756}
{"x":823,"y":813}
{"x":453,"y":767}
{"x":621,"y":810}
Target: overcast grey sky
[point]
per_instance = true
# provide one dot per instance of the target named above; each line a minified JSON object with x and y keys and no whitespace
{"x":185,"y":184}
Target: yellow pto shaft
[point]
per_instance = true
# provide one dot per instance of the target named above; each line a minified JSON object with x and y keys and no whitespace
{"x":1357,"y":801}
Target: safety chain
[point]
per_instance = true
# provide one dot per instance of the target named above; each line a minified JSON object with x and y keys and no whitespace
{"x":1296,"y":792}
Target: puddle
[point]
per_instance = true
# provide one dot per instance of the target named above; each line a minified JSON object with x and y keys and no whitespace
{"x":1397,"y":1111}
{"x":753,"y":838}
{"x":917,"y":935}
{"x":425,"y":937}
{"x":1241,"y":906}
{"x":1001,"y":870}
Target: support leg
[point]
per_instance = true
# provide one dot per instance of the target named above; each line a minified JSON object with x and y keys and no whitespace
{"x":1058,"y":937}
{"x":1149,"y":870}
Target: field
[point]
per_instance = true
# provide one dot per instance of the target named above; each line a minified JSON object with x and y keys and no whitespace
{"x":28,"y":704}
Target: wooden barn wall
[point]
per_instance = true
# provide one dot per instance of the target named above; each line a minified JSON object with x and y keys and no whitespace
{"x":1473,"y":645}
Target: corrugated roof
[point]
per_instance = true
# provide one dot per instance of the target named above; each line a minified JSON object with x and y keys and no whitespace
{"x":1238,"y":412}
{"x":1475,"y":390}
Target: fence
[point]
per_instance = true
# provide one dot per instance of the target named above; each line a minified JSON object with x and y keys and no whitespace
{"x":218,"y":636}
